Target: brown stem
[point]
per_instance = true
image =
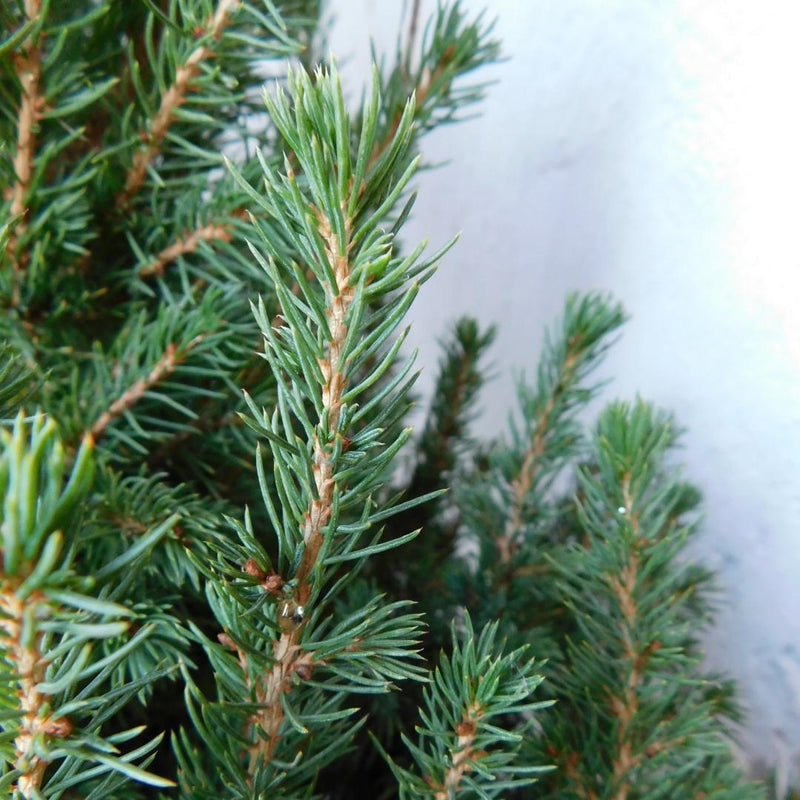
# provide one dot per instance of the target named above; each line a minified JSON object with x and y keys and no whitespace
{"x":522,"y":483}
{"x":571,"y":771}
{"x":333,"y":373}
{"x":29,"y":666}
{"x":286,"y":650}
{"x":27,"y":65}
{"x":172,"y":99}
{"x":187,"y":244}
{"x":164,"y":367}
{"x":626,"y":706}
{"x":464,"y":753}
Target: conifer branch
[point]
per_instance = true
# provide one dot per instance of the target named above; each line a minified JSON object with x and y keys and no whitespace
{"x":29,"y":667}
{"x":164,"y":367}
{"x":47,"y":627}
{"x":522,"y":483}
{"x":476,"y":683}
{"x":637,"y":705}
{"x":464,"y":753}
{"x":184,"y":245}
{"x":172,"y":99}
{"x":549,"y":409}
{"x":27,"y":65}
{"x":452,"y":46}
{"x":287,"y":652}
{"x":626,"y":707}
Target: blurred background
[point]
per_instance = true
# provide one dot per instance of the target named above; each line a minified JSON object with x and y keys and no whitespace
{"x":650,"y":149}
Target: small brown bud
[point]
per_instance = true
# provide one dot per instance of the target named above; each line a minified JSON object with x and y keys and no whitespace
{"x":226,"y":641}
{"x":304,"y":671}
{"x":252,"y":569}
{"x":272,"y":583}
{"x":59,"y":728}
{"x":466,"y":728}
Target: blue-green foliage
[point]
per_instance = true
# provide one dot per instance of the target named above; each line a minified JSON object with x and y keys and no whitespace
{"x":52,"y":619}
{"x":462,"y":748}
{"x":204,"y":530}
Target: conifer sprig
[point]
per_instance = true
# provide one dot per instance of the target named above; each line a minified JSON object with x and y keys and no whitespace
{"x":42,"y":102}
{"x":329,"y":450}
{"x":175,"y":96}
{"x":49,"y":622}
{"x":461,"y":751}
{"x":178,"y":60}
{"x":639,"y":707}
{"x":549,"y":434}
{"x":453,"y":46}
{"x":151,"y":375}
{"x":127,"y":286}
{"x":343,"y":269}
{"x":506,"y":505}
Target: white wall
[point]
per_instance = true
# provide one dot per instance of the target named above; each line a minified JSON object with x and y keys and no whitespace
{"x":652,"y":149}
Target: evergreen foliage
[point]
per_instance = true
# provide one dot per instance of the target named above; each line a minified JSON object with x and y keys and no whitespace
{"x":459,"y":751}
{"x":215,"y":580}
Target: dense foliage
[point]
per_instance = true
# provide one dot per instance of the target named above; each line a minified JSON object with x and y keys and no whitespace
{"x":215,"y":579}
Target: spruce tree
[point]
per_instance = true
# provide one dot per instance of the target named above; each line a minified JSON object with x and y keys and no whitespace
{"x":215,"y":580}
